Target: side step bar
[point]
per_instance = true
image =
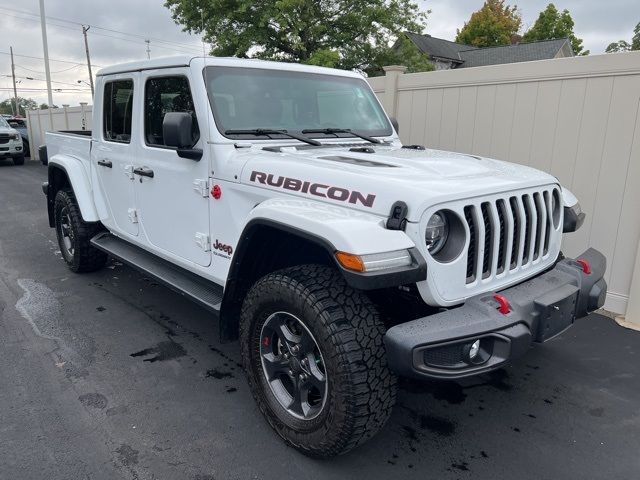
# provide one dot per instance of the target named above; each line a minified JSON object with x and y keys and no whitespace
{"x":201,"y":291}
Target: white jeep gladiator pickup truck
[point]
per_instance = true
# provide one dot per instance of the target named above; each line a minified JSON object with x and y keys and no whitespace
{"x":279,"y":197}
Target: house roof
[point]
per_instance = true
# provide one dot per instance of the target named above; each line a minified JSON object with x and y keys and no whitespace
{"x":438,"y":47}
{"x":522,"y":52}
{"x":470,"y":56}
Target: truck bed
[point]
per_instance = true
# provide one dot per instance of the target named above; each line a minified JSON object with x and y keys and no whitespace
{"x":70,"y":143}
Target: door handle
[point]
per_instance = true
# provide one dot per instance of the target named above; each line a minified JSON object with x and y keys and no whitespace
{"x":143,"y":172}
{"x":105,"y":163}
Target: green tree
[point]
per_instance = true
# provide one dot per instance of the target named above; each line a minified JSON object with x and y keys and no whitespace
{"x":552,"y":24}
{"x":635,"y":40}
{"x":347,"y":34}
{"x":494,"y":24}
{"x":619,"y":46}
{"x":624,"y":46}
{"x":24,"y":104}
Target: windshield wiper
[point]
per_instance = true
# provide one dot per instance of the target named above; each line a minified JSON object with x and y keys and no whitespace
{"x":261,"y":132}
{"x":335,"y":131}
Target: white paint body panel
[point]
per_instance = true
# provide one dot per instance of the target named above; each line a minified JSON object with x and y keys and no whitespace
{"x":172,"y":213}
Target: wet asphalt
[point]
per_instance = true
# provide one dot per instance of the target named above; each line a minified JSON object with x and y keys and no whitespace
{"x":109,"y":375}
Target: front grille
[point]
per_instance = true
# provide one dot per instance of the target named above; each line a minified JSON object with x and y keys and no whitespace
{"x":4,"y":138}
{"x":507,"y":233}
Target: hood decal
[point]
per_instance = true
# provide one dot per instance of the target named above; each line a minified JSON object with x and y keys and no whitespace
{"x":318,"y":189}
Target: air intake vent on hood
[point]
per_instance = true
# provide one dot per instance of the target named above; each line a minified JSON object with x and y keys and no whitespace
{"x":356,"y":161}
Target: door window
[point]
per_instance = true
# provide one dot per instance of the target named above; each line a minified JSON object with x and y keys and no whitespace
{"x":117,"y":111}
{"x":164,"y":95}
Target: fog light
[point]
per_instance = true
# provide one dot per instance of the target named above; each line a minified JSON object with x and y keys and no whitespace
{"x":478,"y":351}
{"x":474,"y":349}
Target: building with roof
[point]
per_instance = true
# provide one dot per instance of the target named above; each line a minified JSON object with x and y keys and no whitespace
{"x":447,"y":55}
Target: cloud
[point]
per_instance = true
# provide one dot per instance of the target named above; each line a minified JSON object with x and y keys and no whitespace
{"x":140,"y":19}
{"x":597,"y":22}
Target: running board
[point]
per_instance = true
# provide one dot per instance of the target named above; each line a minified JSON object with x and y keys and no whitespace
{"x":201,"y":291}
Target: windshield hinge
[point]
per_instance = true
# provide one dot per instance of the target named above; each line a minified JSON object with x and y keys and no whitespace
{"x":202,"y":187}
{"x":203,"y":241}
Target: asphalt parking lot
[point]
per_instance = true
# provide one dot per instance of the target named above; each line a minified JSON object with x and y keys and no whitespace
{"x":109,"y":375}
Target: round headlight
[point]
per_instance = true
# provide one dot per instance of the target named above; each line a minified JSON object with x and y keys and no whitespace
{"x":436,"y":233}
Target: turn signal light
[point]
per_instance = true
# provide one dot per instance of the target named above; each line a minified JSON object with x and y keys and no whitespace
{"x":350,"y":261}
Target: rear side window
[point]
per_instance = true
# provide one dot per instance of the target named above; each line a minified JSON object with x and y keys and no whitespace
{"x":117,"y":111}
{"x":164,"y":95}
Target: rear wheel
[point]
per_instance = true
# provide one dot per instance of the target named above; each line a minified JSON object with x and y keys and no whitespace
{"x":18,"y":160}
{"x":74,"y":235}
{"x":315,"y":359}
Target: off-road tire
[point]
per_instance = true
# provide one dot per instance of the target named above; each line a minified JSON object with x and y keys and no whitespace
{"x":85,"y":257}
{"x":349,"y":333}
{"x":18,"y":160}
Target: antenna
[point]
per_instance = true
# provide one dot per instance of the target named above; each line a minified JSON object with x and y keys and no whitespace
{"x":148,"y":42}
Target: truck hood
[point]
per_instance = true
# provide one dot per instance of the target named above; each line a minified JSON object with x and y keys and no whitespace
{"x":373,"y":181}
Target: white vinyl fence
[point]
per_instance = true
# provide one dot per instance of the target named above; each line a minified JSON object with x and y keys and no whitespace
{"x":55,"y":119}
{"x":577,"y":118}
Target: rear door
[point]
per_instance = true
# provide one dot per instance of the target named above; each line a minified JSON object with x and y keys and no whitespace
{"x":113,"y":153}
{"x":172,"y":192}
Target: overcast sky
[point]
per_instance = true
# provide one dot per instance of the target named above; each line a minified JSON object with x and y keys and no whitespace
{"x":597,"y":22}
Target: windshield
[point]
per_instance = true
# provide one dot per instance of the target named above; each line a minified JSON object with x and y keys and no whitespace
{"x":3,"y":123}
{"x":253,"y":98}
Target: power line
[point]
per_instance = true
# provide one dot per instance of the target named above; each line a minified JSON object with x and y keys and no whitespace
{"x":181,"y":49}
{"x":50,"y":59}
{"x":42,"y":73}
{"x":41,"y":80}
{"x":142,"y":37}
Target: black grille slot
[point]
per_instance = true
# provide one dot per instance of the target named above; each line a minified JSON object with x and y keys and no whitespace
{"x":527,"y":228}
{"x":4,"y":138}
{"x":513,"y":202}
{"x":488,"y":235}
{"x":547,"y":233}
{"x":471,"y":254}
{"x":502,"y":210}
{"x":539,"y":216}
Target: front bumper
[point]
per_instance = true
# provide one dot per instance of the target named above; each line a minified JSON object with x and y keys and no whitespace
{"x":10,"y":150}
{"x":438,"y":346}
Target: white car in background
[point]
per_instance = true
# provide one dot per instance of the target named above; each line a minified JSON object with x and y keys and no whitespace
{"x":10,"y":143}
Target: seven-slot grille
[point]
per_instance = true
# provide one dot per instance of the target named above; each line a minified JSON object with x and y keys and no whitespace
{"x":508,"y":233}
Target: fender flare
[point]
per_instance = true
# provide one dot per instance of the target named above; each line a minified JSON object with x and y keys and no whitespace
{"x":320,"y":225}
{"x":80,"y":184}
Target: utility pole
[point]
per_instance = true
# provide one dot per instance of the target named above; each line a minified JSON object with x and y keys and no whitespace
{"x":45,"y":47}
{"x":15,"y":91}
{"x":86,"y":47}
{"x":148,"y":42}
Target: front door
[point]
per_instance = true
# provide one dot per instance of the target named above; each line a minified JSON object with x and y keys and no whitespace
{"x":113,"y":153}
{"x":172,"y":197}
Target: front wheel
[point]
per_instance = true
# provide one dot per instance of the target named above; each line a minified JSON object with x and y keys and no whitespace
{"x":74,"y":235}
{"x":315,"y":359}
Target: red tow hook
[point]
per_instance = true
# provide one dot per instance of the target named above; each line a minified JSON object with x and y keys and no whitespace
{"x":505,"y":306}
{"x":586,"y":267}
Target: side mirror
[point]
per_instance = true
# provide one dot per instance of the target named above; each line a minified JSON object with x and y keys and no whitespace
{"x":394,"y":122}
{"x":176,"y":130}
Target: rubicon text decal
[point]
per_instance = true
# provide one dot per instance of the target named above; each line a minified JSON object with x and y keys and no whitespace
{"x":317,"y":189}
